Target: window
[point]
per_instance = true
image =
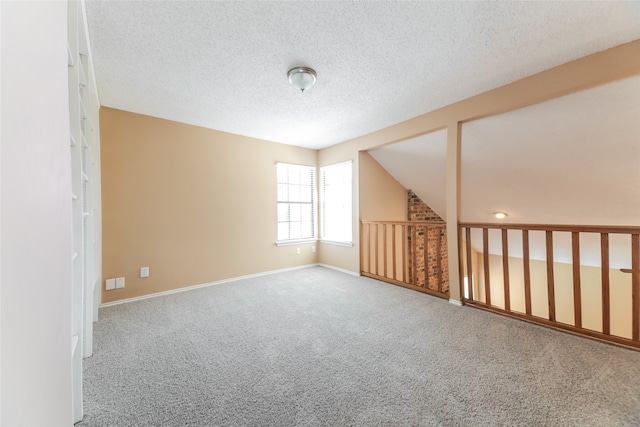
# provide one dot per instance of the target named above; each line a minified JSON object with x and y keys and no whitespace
{"x":296,"y":202}
{"x":335,"y":183}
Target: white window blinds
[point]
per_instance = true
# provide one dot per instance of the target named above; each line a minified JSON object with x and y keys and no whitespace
{"x":336,"y":198}
{"x":296,"y":202}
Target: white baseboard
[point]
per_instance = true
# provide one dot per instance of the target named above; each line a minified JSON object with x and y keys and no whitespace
{"x":353,"y":273}
{"x":219,"y":282}
{"x":456,"y":302}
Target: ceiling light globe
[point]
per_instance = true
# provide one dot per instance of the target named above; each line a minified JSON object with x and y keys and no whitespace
{"x":302,"y":78}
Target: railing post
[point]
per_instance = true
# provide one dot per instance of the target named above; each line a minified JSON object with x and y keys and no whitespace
{"x":577,"y":291}
{"x":469,"y":265}
{"x":454,"y":144}
{"x":635,"y":285}
{"x":606,"y":296}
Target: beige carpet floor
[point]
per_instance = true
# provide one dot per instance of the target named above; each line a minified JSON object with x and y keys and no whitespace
{"x":317,"y":347}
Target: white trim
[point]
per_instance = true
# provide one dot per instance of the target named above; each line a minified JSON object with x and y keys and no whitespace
{"x":205,"y":285}
{"x":456,"y":302}
{"x":295,"y":242}
{"x":353,"y":273}
{"x":336,"y":243}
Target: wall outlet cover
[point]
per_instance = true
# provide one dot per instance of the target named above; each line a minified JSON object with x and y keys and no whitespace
{"x":298,"y":251}
{"x":119,"y":282}
{"x":111,"y":284}
{"x":144,"y":272}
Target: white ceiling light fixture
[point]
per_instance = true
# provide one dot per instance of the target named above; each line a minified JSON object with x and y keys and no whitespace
{"x":500,"y":215}
{"x":302,"y":77}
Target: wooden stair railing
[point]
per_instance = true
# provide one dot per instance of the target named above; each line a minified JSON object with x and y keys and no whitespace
{"x":573,"y":323}
{"x":402,"y":253}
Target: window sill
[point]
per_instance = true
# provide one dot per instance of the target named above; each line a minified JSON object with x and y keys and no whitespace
{"x":295,"y":242}
{"x":336,"y":243}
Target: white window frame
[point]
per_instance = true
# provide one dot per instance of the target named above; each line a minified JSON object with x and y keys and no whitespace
{"x":346,"y":196}
{"x":288,"y":188}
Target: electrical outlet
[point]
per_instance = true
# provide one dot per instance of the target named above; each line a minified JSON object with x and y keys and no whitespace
{"x":297,"y":251}
{"x":144,"y":272}
{"x":119,"y":282}
{"x":313,"y":248}
{"x":111,"y":284}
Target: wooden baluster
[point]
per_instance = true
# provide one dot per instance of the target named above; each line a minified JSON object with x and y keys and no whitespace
{"x":393,"y":250}
{"x":469,"y":264}
{"x":527,"y":271}
{"x":606,"y":306}
{"x":368,"y":245}
{"x":376,"y":251}
{"x":425,"y":254}
{"x":384,"y":248}
{"x":635,"y":285}
{"x":550,"y":278}
{"x":485,"y":258}
{"x":405,"y":263}
{"x":460,"y":265}
{"x":439,"y":259}
{"x":577,"y":294}
{"x":362,"y":270}
{"x":414,"y":250}
{"x":505,"y":270}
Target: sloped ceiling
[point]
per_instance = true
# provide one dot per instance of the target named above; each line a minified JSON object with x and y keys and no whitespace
{"x":223,"y":65}
{"x":570,"y":160}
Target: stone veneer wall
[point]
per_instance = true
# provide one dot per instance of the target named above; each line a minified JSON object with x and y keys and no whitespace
{"x":417,"y":210}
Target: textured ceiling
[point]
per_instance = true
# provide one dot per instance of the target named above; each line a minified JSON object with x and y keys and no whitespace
{"x":223,"y":65}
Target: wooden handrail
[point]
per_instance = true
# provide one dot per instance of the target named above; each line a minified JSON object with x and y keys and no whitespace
{"x":434,"y":223}
{"x":611,"y":229}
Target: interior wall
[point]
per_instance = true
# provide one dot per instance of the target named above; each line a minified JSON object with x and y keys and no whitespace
{"x":35,"y":219}
{"x":194,"y":205}
{"x":382,"y":198}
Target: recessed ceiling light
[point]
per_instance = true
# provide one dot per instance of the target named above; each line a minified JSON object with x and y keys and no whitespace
{"x":500,"y":215}
{"x":302,"y":77}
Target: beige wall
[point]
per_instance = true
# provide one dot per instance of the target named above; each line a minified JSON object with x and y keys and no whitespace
{"x":381,"y":196}
{"x":590,"y":285}
{"x":194,"y":205}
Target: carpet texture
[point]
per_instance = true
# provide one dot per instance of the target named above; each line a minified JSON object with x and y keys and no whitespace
{"x":317,"y":347}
